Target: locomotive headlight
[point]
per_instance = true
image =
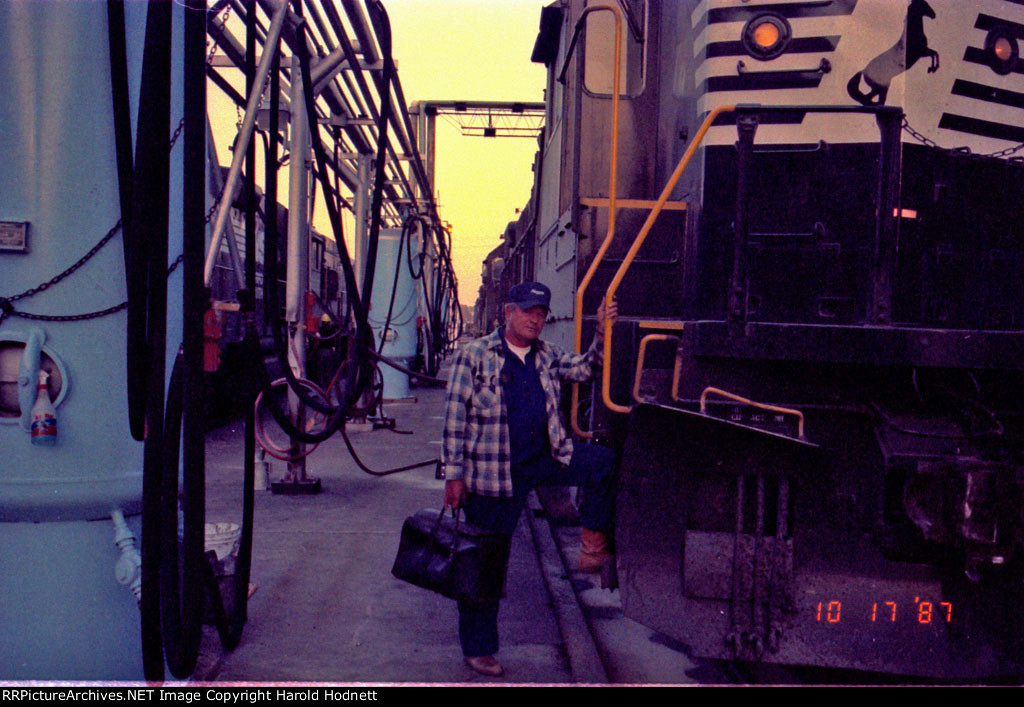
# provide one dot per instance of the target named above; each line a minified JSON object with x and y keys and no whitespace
{"x":1003,"y":52}
{"x":766,"y":36}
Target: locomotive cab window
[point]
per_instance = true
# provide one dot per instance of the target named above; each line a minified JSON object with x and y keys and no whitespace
{"x":599,"y":75}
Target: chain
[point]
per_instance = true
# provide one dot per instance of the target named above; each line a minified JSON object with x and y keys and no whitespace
{"x":1008,"y":151}
{"x":92,"y":251}
{"x":81,"y":261}
{"x":176,"y":133}
{"x":918,"y":136}
{"x":7,"y":309}
{"x":223,"y":21}
{"x":6,"y":303}
{"x":924,"y":140}
{"x":60,"y":318}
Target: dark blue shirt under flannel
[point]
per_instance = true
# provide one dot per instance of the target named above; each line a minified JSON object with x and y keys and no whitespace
{"x":524,"y":400}
{"x":476,"y":445}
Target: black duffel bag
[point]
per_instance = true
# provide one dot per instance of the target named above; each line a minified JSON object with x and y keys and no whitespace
{"x":452,"y":557}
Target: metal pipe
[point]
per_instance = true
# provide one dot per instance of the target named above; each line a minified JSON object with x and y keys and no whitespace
{"x":242,"y":12}
{"x":367,"y":105}
{"x":431,"y":155}
{"x":364,"y":96}
{"x":217,"y":182}
{"x":361,"y":207}
{"x":298,"y":190}
{"x":298,"y":254}
{"x":312,"y":11}
{"x":345,"y":52}
{"x":612,"y":180}
{"x":231,"y":47}
{"x":641,"y":237}
{"x":399,"y":118}
{"x":244,"y":135}
{"x":363,"y":31}
{"x":325,"y":69}
{"x":361,"y":27}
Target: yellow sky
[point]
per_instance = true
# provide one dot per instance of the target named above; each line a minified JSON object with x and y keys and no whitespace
{"x":473,"y":50}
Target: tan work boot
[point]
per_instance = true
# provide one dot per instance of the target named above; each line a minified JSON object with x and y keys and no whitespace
{"x":485,"y":665}
{"x":593,"y":550}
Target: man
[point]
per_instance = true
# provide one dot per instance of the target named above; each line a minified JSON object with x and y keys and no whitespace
{"x":503,"y":436}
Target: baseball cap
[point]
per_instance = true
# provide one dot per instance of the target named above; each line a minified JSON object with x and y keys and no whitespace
{"x":530,"y":294}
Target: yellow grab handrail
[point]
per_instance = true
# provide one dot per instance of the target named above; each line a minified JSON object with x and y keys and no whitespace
{"x":612,"y":178}
{"x":746,"y":401}
{"x":675,"y":376}
{"x":641,"y":237}
{"x":640,"y":361}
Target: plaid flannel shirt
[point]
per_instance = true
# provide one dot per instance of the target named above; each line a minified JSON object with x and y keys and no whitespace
{"x":476,"y":439}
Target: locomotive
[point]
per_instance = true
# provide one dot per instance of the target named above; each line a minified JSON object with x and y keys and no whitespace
{"x":808,"y":212}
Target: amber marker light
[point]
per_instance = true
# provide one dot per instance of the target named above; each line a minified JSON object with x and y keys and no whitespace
{"x":766,"y":36}
{"x":1003,"y":49}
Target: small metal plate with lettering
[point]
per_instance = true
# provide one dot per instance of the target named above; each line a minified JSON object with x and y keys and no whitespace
{"x":14,"y":236}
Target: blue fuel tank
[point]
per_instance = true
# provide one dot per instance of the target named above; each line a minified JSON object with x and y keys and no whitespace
{"x":64,"y":613}
{"x":400,"y":337}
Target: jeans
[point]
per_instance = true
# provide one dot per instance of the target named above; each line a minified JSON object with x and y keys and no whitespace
{"x":592,"y":468}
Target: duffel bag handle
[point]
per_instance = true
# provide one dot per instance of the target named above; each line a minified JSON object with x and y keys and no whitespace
{"x":456,"y":513}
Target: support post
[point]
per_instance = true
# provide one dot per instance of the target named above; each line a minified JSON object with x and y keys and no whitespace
{"x":298,"y":258}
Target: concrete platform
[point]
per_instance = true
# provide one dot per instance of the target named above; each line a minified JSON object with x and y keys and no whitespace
{"x":327,"y":609}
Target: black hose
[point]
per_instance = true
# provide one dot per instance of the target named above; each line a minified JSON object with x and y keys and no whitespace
{"x":181,"y":606}
{"x":359,"y":306}
{"x":347,"y":390}
{"x":389,"y":472}
{"x":122,"y":107}
{"x":382,"y":26}
{"x":357,"y":367}
{"x":251,"y":347}
{"x":425,"y":227}
{"x":230,"y":628}
{"x":134,"y":260}
{"x":148,"y":248}
{"x":194,"y":304}
{"x":399,"y":367}
{"x":172,"y":611}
